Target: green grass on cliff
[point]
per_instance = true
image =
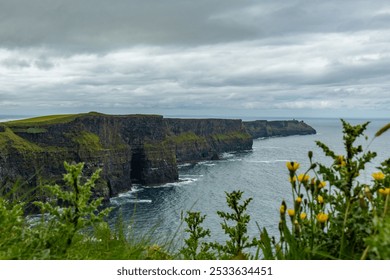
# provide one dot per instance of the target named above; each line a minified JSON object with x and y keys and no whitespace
{"x":88,"y":140}
{"x":9,"y":139}
{"x":192,"y":137}
{"x":186,"y":137}
{"x":44,"y":120}
{"x":233,"y":135}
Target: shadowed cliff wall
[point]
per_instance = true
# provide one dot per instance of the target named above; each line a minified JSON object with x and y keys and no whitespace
{"x":130,"y":149}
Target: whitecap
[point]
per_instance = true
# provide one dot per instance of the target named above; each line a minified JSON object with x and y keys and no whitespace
{"x":181,"y":182}
{"x":140,"y":200}
{"x":227,"y":155}
{"x":234,"y":159}
{"x":268,"y":161}
{"x":184,"y":165}
{"x":130,"y":193}
{"x":206,"y":163}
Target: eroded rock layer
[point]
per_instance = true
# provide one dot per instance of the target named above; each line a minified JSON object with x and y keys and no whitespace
{"x":129,"y":149}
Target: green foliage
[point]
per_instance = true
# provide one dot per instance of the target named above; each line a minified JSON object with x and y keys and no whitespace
{"x":379,"y":242}
{"x":72,"y":226}
{"x":12,"y":228}
{"x":333,"y":214}
{"x":234,"y":224}
{"x":79,"y":212}
{"x":191,"y":250}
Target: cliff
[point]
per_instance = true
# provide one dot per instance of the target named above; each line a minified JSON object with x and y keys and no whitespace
{"x":129,"y":148}
{"x":143,"y":149}
{"x":262,"y":128}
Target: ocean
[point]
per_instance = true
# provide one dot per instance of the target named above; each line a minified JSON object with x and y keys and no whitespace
{"x":157,"y":212}
{"x":261,"y":173}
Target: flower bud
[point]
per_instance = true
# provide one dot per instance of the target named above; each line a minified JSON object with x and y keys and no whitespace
{"x":291,"y":212}
{"x":282,"y":209}
{"x":368,"y":193}
{"x":362,"y":202}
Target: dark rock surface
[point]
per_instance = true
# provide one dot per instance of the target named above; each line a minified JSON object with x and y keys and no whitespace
{"x":262,"y":128}
{"x":129,"y":148}
{"x":143,"y":149}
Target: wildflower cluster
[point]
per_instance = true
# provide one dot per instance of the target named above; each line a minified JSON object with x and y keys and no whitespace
{"x":332,"y":214}
{"x":307,"y":212}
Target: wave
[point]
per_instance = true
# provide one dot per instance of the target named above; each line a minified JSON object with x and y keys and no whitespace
{"x":130,"y":193}
{"x":268,"y":161}
{"x":227,"y":155}
{"x":180,"y":183}
{"x":185,"y":165}
{"x":123,"y":200}
{"x":234,"y":159}
{"x":206,"y":163}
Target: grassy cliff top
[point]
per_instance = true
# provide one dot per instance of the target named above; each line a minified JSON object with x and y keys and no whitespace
{"x":65,"y":118}
{"x":44,"y":120}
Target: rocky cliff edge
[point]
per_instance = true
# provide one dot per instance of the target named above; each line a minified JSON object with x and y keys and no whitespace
{"x":130,"y":149}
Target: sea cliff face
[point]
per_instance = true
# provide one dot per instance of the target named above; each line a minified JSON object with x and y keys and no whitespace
{"x":262,"y":128}
{"x":130,"y":149}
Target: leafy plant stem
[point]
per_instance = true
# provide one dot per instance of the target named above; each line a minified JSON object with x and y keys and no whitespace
{"x":342,"y":244}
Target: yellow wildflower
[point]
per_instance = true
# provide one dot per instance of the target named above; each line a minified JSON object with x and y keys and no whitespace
{"x":341,"y":160}
{"x":385,"y":191}
{"x":320,"y":199}
{"x":291,"y":212}
{"x":298,"y":200}
{"x":303,"y":215}
{"x":321,"y":184}
{"x":282,"y":209}
{"x":293,"y":179}
{"x":378,"y":176}
{"x":322,"y":217}
{"x":303,"y":177}
{"x":292,"y":165}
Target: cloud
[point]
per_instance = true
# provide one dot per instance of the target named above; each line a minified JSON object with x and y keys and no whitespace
{"x":100,"y":25}
{"x":211,"y":57}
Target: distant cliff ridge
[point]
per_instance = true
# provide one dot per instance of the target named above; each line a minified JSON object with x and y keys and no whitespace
{"x":130,"y":149}
{"x":260,"y":129}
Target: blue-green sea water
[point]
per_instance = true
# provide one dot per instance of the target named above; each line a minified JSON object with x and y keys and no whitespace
{"x":261,"y":173}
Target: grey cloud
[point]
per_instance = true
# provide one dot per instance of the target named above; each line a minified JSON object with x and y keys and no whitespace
{"x":96,"y":24}
{"x":100,"y":25}
{"x":194,"y":56}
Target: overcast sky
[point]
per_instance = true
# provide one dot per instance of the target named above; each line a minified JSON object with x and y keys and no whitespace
{"x":264,"y":58}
